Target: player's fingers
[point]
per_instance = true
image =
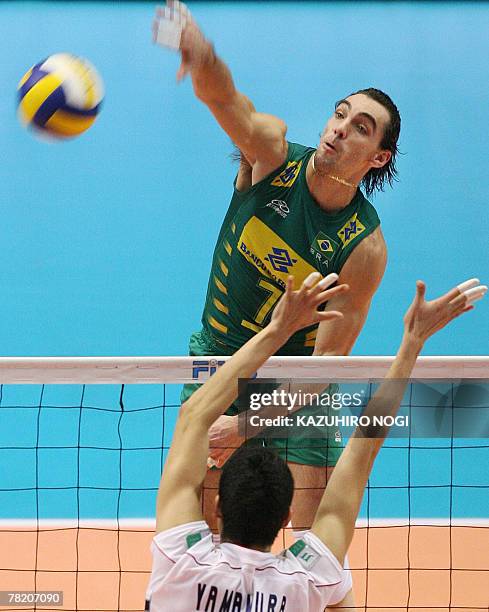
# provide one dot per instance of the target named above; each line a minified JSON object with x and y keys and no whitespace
{"x":224,"y":458}
{"x":289,"y":285}
{"x":311,"y":280}
{"x":184,"y":13}
{"x":322,"y":284}
{"x":458,"y":310}
{"x":475,"y":293}
{"x":469,"y":284}
{"x":215,"y":454}
{"x":459,"y":289}
{"x":459,"y":306}
{"x":184,"y":67}
{"x":458,"y":302}
{"x":420,"y":291}
{"x":211,"y":462}
{"x":189,"y":18}
{"x":176,"y":11}
{"x":461,"y":311}
{"x":220,"y":456}
{"x":181,"y":72}
{"x":217,"y":462}
{"x":469,"y":296}
{"x":329,"y":315}
{"x":167,"y":31}
{"x":329,"y":294}
{"x":327,"y":281}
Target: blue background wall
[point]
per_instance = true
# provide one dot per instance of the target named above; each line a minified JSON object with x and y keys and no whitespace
{"x":107,"y":240}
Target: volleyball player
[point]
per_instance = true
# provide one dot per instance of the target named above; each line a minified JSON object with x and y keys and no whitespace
{"x":190,"y":573}
{"x":295,"y":209}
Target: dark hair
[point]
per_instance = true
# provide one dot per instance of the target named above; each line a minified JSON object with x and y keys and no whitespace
{"x":376,"y":178}
{"x":255,"y":493}
{"x":237,"y":156}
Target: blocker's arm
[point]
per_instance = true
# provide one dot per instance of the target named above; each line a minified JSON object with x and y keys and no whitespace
{"x":335,"y":519}
{"x":179,"y":494}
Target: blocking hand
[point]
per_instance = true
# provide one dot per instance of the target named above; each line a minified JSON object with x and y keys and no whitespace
{"x":424,"y":318}
{"x":299,"y":309}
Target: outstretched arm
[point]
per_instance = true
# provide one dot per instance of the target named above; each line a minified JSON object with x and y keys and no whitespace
{"x":259,"y":136}
{"x":180,"y":489}
{"x":335,"y":519}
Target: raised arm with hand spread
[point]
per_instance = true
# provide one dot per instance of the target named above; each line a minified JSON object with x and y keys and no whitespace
{"x":338,"y":510}
{"x":260,"y":137}
{"x":185,"y":468}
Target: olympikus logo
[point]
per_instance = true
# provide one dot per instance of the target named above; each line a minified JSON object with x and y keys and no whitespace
{"x":280,"y":207}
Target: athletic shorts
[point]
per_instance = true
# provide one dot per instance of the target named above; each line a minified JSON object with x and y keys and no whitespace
{"x":322,"y":450}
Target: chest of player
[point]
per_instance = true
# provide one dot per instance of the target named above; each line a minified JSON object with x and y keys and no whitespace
{"x":285,"y":232}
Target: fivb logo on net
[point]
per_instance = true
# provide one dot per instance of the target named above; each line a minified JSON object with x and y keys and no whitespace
{"x":208,"y":367}
{"x":205,"y":366}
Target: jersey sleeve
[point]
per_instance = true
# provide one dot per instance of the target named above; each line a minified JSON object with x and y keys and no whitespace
{"x":168,"y":547}
{"x":294,"y":151}
{"x":173,"y":543}
{"x":322,"y":566}
{"x":345,"y":585}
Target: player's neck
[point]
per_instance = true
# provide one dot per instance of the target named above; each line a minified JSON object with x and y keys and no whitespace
{"x":331,"y":191}
{"x":265,"y":549}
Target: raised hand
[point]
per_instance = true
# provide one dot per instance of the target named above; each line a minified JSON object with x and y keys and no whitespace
{"x":174,"y":28}
{"x":224,"y":439}
{"x":168,"y":24}
{"x":424,"y":318}
{"x":295,"y":310}
{"x":298,"y":309}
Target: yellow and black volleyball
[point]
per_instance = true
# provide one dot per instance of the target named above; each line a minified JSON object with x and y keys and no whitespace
{"x":61,"y":96}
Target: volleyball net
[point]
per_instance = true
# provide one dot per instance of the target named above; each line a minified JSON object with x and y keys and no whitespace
{"x":83,"y":442}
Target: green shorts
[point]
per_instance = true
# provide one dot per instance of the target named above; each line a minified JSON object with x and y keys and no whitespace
{"x":322,"y":451}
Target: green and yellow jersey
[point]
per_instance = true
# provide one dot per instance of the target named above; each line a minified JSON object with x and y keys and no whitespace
{"x":272,"y":230}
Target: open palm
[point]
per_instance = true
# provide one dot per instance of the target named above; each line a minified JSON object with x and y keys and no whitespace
{"x":424,"y":318}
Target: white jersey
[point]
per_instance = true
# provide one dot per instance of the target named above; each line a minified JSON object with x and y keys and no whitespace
{"x":191,"y":574}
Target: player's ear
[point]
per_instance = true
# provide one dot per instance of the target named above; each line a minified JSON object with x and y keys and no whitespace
{"x":217,"y":503}
{"x":380,"y":159}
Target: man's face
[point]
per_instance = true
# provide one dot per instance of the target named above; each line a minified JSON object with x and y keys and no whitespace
{"x":350,"y":141}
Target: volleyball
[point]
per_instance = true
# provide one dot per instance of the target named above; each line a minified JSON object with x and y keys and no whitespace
{"x":60,"y":96}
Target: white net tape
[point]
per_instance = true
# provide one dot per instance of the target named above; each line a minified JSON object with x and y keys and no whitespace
{"x":154,"y":370}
